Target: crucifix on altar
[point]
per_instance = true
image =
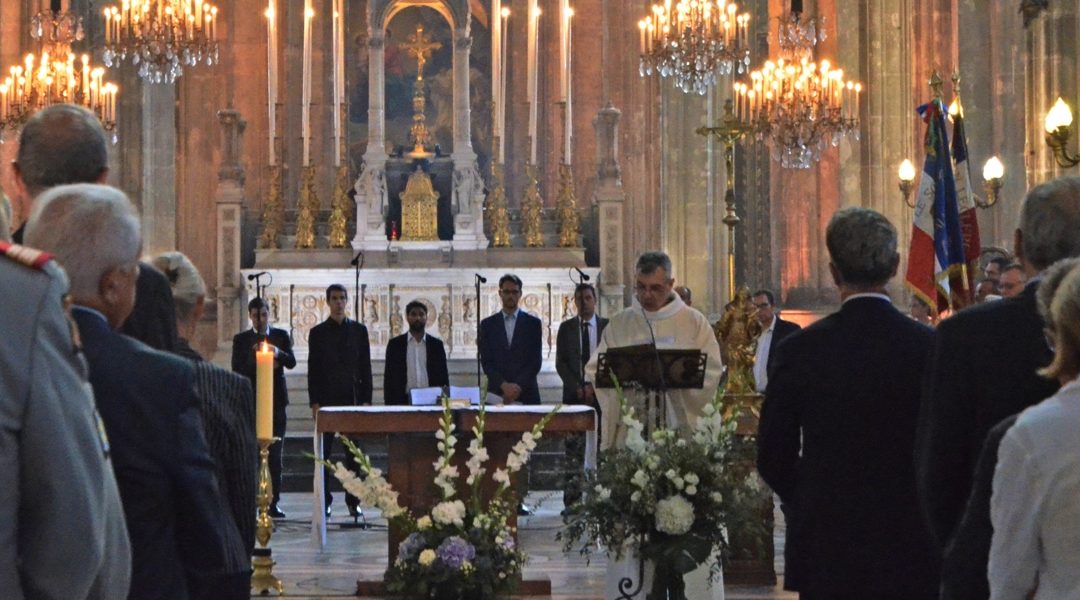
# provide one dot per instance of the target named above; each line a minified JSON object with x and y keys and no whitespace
{"x":420,"y":47}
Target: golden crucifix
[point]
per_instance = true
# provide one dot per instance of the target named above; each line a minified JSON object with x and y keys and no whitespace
{"x":420,"y":47}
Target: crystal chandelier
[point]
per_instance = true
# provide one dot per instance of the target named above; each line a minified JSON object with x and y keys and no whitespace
{"x":694,"y":42}
{"x":57,"y":76}
{"x":801,"y":106}
{"x":161,"y":37}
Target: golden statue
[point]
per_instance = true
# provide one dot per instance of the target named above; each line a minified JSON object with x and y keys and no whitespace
{"x":737,"y":331}
{"x":420,"y":47}
{"x":419,"y":208}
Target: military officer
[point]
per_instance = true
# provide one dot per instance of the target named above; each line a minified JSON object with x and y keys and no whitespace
{"x":62,"y":529}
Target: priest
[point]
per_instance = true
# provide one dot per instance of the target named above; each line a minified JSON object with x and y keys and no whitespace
{"x":657,"y":316}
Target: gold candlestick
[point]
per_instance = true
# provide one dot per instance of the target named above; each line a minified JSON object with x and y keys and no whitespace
{"x":498,"y":216}
{"x":273,"y":216}
{"x":532,"y":208}
{"x":262,"y":577}
{"x":342,"y":207}
{"x":307,"y":209}
{"x":567,"y":209}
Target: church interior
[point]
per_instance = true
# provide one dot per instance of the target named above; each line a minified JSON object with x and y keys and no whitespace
{"x":417,"y":150}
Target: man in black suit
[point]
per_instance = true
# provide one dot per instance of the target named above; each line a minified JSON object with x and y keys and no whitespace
{"x":414,"y":359}
{"x":243,"y":362}
{"x":773,"y":329}
{"x":339,"y":373}
{"x":837,"y":431}
{"x":574,"y":344}
{"x":982,"y":370}
{"x":182,"y":537}
{"x":510,"y":347}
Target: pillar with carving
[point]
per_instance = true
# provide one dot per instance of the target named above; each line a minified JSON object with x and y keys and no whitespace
{"x":609,"y":197}
{"x":230,"y":213}
{"x":370,"y":186}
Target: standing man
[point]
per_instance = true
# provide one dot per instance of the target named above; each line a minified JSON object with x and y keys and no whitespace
{"x":837,"y":434}
{"x":414,"y":359}
{"x":773,"y":329}
{"x":658,"y":316}
{"x":339,"y":373}
{"x":510,"y":347}
{"x":574,"y":346}
{"x":1012,"y":281}
{"x":67,"y":512}
{"x":244,"y":346}
{"x":962,"y":402}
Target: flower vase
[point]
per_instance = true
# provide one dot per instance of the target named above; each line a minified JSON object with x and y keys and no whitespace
{"x":695,"y":583}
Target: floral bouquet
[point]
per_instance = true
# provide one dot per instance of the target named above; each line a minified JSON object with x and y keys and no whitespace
{"x":668,"y":499}
{"x":465,"y":547}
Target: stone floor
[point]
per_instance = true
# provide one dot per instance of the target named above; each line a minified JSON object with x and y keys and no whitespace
{"x":361,"y":553}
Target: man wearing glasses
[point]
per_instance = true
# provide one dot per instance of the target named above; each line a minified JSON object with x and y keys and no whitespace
{"x":773,"y":329}
{"x":510,"y":347}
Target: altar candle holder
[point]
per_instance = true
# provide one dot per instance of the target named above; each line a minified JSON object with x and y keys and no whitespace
{"x":262,"y":577}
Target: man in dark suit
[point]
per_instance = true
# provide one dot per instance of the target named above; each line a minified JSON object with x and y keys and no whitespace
{"x":339,"y":373}
{"x":574,"y":344}
{"x":982,"y":370}
{"x":837,"y":431}
{"x":182,"y":537}
{"x":414,"y":359}
{"x":773,"y":329}
{"x":243,"y":362}
{"x":510,"y":347}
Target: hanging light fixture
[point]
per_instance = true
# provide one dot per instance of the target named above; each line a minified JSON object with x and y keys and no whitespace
{"x":161,"y":37}
{"x":55,"y":75}
{"x":801,"y":106}
{"x":694,"y":42}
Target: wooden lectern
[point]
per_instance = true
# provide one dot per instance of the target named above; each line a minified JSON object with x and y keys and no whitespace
{"x":413,"y":451}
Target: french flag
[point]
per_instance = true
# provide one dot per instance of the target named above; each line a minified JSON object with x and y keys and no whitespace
{"x":965,"y":200}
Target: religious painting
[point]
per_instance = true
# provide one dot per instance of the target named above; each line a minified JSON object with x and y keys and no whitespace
{"x":401,"y":71}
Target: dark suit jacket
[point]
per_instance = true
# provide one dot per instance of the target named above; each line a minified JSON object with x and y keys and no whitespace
{"x":519,"y":362}
{"x":568,"y":355}
{"x":967,"y":557}
{"x":982,"y":369}
{"x":339,"y":364}
{"x":848,"y":386}
{"x":243,"y":360}
{"x":780,"y":331}
{"x":394,"y":381}
{"x":182,"y":537}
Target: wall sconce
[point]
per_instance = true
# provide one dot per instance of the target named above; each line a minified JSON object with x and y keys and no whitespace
{"x":1058,"y":124}
{"x":906,"y":173}
{"x":993,"y":174}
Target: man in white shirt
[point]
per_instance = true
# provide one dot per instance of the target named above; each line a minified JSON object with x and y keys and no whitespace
{"x":414,"y":359}
{"x":773,"y":329}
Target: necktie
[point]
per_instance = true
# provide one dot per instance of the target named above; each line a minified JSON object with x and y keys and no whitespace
{"x":586,"y":343}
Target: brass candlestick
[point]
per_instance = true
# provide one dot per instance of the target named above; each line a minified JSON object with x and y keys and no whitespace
{"x":307,"y":209}
{"x":273,"y":216}
{"x":498,"y":217}
{"x":728,"y":132}
{"x":532,"y":210}
{"x":569,"y":221}
{"x":342,"y":208}
{"x":262,"y":577}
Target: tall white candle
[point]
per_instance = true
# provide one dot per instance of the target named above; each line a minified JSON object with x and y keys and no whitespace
{"x":271,"y":76}
{"x":496,"y":64}
{"x":264,"y":392}
{"x":305,"y":108}
{"x":502,"y":85}
{"x":339,"y":76}
{"x":533,"y":71}
{"x":568,"y":134}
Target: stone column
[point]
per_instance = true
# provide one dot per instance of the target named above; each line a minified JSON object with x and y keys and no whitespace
{"x":609,"y":199}
{"x":468,"y":196}
{"x":157,"y":195}
{"x":370,"y":186}
{"x":230,"y":199}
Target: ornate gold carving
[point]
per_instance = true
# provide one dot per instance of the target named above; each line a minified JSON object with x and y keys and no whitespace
{"x":532,"y":208}
{"x":419,"y":208}
{"x":307,"y":209}
{"x":341,"y":207}
{"x":498,"y":217}
{"x":273,"y":216}
{"x":567,"y":209}
{"x":737,"y":331}
{"x":419,"y":47}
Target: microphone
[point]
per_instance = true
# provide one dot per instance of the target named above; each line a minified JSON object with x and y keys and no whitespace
{"x":481,"y":278}
{"x":656,"y":353}
{"x":584,"y":276}
{"x":254,"y":276}
{"x":356,"y":259}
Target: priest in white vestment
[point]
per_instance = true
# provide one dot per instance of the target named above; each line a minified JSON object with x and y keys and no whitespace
{"x":658,"y":314}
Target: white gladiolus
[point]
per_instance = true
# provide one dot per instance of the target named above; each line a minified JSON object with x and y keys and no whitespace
{"x":690,"y":490}
{"x":501,"y":476}
{"x":635,"y":496}
{"x":640,"y":479}
{"x":674,"y":515}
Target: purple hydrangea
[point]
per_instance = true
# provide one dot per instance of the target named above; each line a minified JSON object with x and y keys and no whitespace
{"x":454,"y":551}
{"x":508,"y":543}
{"x":409,"y":548}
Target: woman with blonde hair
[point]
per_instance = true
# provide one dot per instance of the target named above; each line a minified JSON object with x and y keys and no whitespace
{"x":189,"y":298}
{"x":1035,"y":507}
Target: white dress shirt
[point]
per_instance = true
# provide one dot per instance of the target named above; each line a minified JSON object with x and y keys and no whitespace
{"x":416,"y":362}
{"x":510,"y":322}
{"x":761,"y":356}
{"x":1035,"y":508}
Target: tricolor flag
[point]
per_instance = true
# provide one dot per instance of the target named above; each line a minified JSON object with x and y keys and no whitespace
{"x":937,"y":244}
{"x":965,"y":200}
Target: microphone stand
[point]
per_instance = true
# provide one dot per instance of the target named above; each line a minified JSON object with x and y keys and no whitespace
{"x":357,"y":263}
{"x":660,"y":416}
{"x":479,"y":279}
{"x":258,"y":283}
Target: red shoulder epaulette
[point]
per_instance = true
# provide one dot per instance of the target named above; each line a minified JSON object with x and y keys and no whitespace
{"x":30,"y":257}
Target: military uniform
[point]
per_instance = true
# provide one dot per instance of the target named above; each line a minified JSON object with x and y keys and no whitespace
{"x":62,"y":528}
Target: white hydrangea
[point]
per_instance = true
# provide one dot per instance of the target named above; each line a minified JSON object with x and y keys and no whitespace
{"x":674,"y":515}
{"x":449,"y":513}
{"x":640,"y":479}
{"x":603,"y":493}
{"x":423,"y":523}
